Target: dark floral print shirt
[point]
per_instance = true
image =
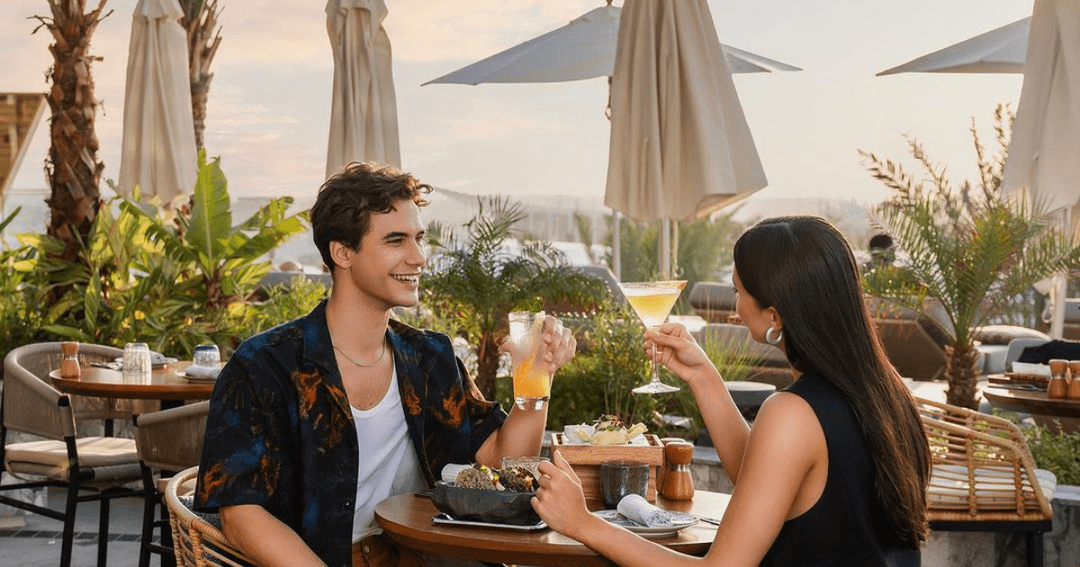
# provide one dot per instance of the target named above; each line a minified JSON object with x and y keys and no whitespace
{"x":280,"y":432}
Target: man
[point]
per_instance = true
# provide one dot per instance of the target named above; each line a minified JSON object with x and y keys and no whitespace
{"x":314,"y":422}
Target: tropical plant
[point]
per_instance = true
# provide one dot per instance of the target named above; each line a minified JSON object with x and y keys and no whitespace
{"x":172,"y":279}
{"x":476,"y":280}
{"x":204,"y":36}
{"x":72,"y":169}
{"x":219,"y":264}
{"x":703,"y":246}
{"x":968,"y":248}
{"x":20,"y":314}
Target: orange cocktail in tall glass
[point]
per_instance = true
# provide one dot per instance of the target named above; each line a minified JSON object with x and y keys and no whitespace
{"x":532,"y":381}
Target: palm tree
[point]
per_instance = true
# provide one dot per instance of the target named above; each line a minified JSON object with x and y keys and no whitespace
{"x":200,"y":20}
{"x":476,"y":281}
{"x":970,"y":249}
{"x":72,"y":169}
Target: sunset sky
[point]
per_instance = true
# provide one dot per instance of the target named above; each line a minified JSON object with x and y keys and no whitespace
{"x":269,"y":101}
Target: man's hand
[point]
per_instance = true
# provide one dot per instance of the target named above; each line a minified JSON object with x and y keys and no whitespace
{"x":559,"y":344}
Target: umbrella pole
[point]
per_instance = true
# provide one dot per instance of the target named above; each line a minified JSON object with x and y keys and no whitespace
{"x":665,"y":248}
{"x":616,"y":245}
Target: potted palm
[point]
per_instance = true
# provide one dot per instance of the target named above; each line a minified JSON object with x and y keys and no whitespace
{"x":969,"y":248}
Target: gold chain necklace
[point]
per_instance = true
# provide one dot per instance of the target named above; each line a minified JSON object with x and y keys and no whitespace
{"x":382,"y":353}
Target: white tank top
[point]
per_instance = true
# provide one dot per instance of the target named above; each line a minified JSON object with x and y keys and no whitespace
{"x":388,"y":462}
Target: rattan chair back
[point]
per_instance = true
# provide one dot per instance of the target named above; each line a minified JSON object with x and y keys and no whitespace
{"x":982,"y":468}
{"x":39,"y":359}
{"x":197,"y":543}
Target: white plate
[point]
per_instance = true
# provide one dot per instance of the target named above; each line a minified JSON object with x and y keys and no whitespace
{"x":444,"y":519}
{"x":156,"y":361}
{"x":190,"y":378}
{"x":618,"y":519}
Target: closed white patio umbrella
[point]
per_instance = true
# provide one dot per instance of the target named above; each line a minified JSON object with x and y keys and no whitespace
{"x":1042,"y":166}
{"x":1044,"y":152}
{"x":158,"y":149}
{"x":680,"y":144}
{"x":363,"y":114}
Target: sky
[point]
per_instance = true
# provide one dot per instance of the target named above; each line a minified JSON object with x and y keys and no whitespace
{"x":269,"y":108}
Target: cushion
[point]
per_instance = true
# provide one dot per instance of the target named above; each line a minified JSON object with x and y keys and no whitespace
{"x":110,"y":458}
{"x":189,"y":503}
{"x":994,"y":486}
{"x":1002,"y":334}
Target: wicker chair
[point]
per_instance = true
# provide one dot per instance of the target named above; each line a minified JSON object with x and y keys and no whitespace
{"x":197,"y":542}
{"x":168,"y":441}
{"x":33,"y":408}
{"x":41,"y":358}
{"x":983,"y":476}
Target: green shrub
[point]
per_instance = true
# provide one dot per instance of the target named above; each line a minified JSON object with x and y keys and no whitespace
{"x":1058,"y":452}
{"x":284,"y":302}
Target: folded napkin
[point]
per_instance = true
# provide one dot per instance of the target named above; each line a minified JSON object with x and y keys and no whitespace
{"x":449,"y":472}
{"x":636,"y":508}
{"x":202,"y":371}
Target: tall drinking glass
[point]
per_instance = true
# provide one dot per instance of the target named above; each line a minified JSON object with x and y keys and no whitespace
{"x":532,"y":382}
{"x":652,"y":301}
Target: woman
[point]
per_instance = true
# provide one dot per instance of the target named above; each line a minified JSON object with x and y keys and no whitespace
{"x":834,"y":471}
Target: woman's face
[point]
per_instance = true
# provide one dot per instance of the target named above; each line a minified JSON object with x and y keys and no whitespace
{"x":756,"y":318}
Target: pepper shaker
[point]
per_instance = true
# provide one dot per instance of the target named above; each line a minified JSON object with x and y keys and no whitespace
{"x":678,"y":482}
{"x":1057,"y":388}
{"x":1073,"y":391}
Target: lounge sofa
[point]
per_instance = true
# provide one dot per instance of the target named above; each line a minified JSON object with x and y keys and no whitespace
{"x":914,"y":341}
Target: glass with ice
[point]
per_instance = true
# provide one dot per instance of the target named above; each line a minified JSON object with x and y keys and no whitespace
{"x":532,"y":381}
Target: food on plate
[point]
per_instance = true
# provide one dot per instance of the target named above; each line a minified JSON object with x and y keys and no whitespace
{"x":609,"y":430}
{"x":513,"y":479}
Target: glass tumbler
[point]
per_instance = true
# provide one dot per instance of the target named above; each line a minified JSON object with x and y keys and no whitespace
{"x":137,"y":363}
{"x":206,"y":355}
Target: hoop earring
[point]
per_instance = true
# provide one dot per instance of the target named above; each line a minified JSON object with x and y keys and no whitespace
{"x":774,"y":340}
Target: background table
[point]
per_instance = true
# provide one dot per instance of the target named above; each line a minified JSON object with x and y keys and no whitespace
{"x":1036,"y":403}
{"x":407,"y":519}
{"x":164,"y":384}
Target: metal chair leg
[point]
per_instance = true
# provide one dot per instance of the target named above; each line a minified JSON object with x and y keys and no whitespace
{"x":69,"y":525}
{"x":103,"y":532}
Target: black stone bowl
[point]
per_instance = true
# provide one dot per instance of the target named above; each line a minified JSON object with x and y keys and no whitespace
{"x":480,"y":505}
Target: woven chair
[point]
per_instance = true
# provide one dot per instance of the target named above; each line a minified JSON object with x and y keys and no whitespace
{"x":59,"y":457}
{"x":196,"y":541}
{"x":41,"y":358}
{"x":168,"y":441}
{"x":983,"y":476}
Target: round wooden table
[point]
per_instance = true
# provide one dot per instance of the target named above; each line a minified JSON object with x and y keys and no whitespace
{"x":1055,"y":413}
{"x":1031,"y":401}
{"x":165,"y":384}
{"x":407,"y":519}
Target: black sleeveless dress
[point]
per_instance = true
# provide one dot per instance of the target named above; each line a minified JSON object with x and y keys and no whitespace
{"x":847,"y":525}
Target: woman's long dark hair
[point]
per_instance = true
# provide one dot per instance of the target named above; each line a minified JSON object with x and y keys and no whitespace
{"x":803,"y":267}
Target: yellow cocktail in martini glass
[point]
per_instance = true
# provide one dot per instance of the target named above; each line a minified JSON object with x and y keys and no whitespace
{"x":652,"y":301}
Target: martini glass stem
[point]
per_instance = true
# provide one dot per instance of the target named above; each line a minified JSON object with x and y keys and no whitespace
{"x":655,"y":370}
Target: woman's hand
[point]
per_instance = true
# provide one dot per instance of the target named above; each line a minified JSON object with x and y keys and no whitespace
{"x":677,"y":350}
{"x":559,"y":500}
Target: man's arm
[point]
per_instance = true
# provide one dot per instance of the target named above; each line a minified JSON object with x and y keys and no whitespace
{"x":264,"y":538}
{"x":522,"y":434}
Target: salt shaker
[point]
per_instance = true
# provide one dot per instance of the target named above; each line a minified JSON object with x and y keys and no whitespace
{"x":678,"y":482}
{"x":1057,"y":388}
{"x":667,"y":465}
{"x":69,"y":365}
